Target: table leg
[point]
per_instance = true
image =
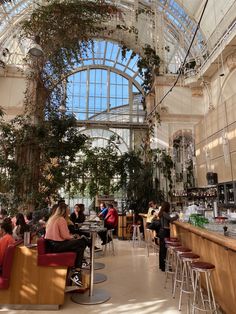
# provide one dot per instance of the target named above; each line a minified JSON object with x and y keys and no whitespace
{"x":93,"y":296}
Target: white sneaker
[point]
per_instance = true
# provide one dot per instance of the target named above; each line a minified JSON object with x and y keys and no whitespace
{"x":76,"y":278}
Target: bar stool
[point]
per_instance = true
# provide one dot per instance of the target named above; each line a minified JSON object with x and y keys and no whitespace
{"x":201,"y":302}
{"x":170,"y":259}
{"x":136,"y":237}
{"x":178,"y":251}
{"x":150,"y":243}
{"x":109,"y":246}
{"x":187,"y":277}
{"x":172,"y":239}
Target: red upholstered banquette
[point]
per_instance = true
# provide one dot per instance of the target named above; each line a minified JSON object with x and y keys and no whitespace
{"x":53,"y":259}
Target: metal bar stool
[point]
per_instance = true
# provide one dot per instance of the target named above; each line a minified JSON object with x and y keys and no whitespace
{"x":203,"y":302}
{"x":136,"y":237}
{"x":109,"y":246}
{"x":187,"y":277}
{"x":150,"y":243}
{"x":178,"y":251}
{"x":170,"y":260}
{"x":172,"y":239}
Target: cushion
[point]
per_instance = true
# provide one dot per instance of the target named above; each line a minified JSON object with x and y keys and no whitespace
{"x":54,"y":259}
{"x":7,"y":266}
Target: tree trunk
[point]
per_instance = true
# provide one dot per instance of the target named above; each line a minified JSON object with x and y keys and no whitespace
{"x":28,"y":154}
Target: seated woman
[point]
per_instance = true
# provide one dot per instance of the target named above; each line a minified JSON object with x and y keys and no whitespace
{"x":6,"y":239}
{"x":151,"y":210}
{"x":20,"y":227}
{"x":78,"y":216}
{"x":60,"y":240}
{"x":110,"y":222}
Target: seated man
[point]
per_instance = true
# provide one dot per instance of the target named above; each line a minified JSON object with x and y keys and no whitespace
{"x":103,"y":211}
{"x":5,"y":240}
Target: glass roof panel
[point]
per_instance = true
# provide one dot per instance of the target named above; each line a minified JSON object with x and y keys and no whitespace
{"x":103,"y":95}
{"x":112,"y":51}
{"x":175,"y":15}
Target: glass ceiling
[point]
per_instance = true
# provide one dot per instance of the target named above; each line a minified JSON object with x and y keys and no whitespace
{"x":106,"y":86}
{"x":101,"y":137}
{"x":169,"y":18}
{"x":109,"y":54}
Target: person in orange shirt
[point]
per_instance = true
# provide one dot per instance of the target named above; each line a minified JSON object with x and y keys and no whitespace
{"x":5,"y":240}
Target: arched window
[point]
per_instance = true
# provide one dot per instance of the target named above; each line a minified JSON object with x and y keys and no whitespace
{"x":101,"y":94}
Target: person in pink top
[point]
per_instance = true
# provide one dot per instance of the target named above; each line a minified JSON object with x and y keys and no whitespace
{"x":5,"y":240}
{"x":60,"y":240}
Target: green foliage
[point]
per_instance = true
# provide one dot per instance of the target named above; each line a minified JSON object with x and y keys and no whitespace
{"x":99,"y":165}
{"x":198,"y":220}
{"x":65,"y":29}
{"x":146,"y":66}
{"x":135,"y":179}
{"x":165,"y":165}
{"x":49,"y":146}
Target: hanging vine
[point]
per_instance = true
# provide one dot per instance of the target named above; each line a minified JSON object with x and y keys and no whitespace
{"x":46,"y":139}
{"x":64,"y":30}
{"x":165,"y":164}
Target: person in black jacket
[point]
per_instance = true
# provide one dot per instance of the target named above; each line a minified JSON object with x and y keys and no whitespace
{"x":165,"y":219}
{"x":78,"y":216}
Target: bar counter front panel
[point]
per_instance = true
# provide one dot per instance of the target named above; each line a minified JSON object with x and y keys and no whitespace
{"x":218,"y":250}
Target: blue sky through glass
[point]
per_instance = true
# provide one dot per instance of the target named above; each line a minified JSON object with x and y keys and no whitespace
{"x":99,"y":88}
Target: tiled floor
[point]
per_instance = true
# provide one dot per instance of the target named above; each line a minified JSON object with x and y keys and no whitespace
{"x":135,"y":283}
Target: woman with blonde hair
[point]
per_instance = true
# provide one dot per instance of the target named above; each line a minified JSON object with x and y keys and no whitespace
{"x":151,"y":209}
{"x":60,"y":240}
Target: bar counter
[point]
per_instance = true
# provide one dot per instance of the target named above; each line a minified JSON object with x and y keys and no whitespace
{"x":218,"y":250}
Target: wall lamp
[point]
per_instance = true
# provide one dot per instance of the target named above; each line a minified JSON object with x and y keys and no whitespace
{"x":35,"y":49}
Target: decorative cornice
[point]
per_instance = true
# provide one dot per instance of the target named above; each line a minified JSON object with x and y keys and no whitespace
{"x":183,"y":118}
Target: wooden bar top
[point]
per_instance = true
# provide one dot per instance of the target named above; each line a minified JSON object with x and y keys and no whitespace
{"x":215,"y":237}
